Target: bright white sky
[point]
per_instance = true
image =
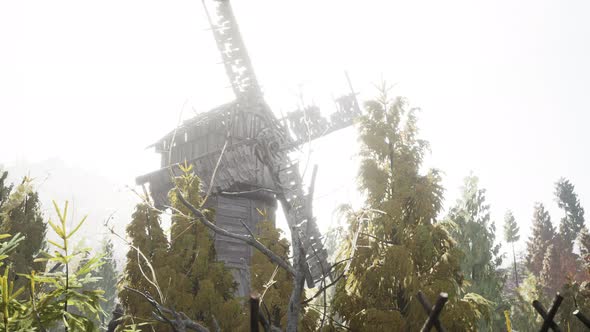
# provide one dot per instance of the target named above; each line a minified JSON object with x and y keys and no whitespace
{"x":503,"y":85}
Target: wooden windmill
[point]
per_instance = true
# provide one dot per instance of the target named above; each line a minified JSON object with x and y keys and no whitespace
{"x":240,"y":151}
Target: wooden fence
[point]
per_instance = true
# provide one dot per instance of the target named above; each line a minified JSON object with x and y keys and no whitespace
{"x":434,"y":311}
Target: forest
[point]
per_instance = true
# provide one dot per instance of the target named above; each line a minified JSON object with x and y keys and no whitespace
{"x":394,"y":253}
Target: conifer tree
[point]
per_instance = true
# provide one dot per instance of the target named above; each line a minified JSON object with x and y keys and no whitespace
{"x":552,"y":277}
{"x":542,"y":235}
{"x":5,"y":190}
{"x":274,"y":283}
{"x":196,"y":283}
{"x":20,"y":212}
{"x":584,"y":243}
{"x":573,"y":220}
{"x":145,"y":233}
{"x":108,"y":280}
{"x":511,"y":235}
{"x":400,"y":248}
{"x":475,"y":234}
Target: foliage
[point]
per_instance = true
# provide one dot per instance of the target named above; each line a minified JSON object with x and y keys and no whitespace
{"x":542,"y":235}
{"x":147,"y":240}
{"x":53,"y":294}
{"x":573,"y":220}
{"x":20,"y":212}
{"x":201,"y":287}
{"x":511,"y":228}
{"x":552,"y":276}
{"x":272,"y":282}
{"x":187,"y":276}
{"x":400,"y":249}
{"x":575,"y":296}
{"x":107,"y":273}
{"x":584,"y":244}
{"x":511,"y":235}
{"x":470,"y":226}
{"x":523,"y":315}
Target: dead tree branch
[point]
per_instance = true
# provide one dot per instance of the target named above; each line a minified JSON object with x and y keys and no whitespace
{"x":180,"y":322}
{"x":245,"y":238}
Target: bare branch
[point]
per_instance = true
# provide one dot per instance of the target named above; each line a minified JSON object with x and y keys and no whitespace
{"x":245,"y":238}
{"x":181,"y":321}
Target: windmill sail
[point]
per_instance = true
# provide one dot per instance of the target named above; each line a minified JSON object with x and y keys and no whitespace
{"x":234,"y":55}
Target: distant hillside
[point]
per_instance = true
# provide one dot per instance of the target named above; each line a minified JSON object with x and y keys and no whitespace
{"x":87,"y":193}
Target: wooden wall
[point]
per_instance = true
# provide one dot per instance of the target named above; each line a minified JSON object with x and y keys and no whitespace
{"x":236,"y":254}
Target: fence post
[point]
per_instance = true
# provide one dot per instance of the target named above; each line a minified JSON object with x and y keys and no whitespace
{"x":254,"y":308}
{"x":548,"y":316}
{"x":585,"y":320}
{"x":434,"y":312}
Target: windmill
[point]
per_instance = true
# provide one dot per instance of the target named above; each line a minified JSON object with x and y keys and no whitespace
{"x":240,"y":150}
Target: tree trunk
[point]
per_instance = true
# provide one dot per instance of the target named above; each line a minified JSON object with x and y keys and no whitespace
{"x":294,"y":310}
{"x":515,"y":270}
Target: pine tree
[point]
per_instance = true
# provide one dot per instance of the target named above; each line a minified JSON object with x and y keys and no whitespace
{"x":400,"y":248}
{"x":552,"y":277}
{"x":5,"y":190}
{"x":475,"y":233}
{"x":196,"y":283}
{"x":108,"y":282}
{"x":584,"y":244}
{"x":543,"y":234}
{"x":511,"y":235}
{"x":573,"y":220}
{"x":20,"y":212}
{"x":145,"y":233}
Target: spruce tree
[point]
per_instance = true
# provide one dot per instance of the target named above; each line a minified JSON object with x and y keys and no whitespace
{"x":584,"y":244}
{"x":569,"y":228}
{"x":5,"y":190}
{"x":400,"y":248}
{"x":552,"y":277}
{"x":145,"y":233}
{"x":542,"y":236}
{"x":475,"y":233}
{"x":511,"y":235}
{"x":573,"y":220}
{"x":108,"y":280}
{"x":20,"y":212}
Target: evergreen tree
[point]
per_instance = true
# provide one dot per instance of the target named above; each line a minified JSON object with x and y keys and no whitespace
{"x":523,"y":315}
{"x":573,"y":220}
{"x":552,"y":277}
{"x":475,"y":234}
{"x":108,"y":281}
{"x":400,"y":248}
{"x":5,"y":190}
{"x":511,"y":235}
{"x":543,"y":234}
{"x":584,"y":243}
{"x":145,"y":233}
{"x":274,"y":283}
{"x":196,"y":283}
{"x":20,"y":212}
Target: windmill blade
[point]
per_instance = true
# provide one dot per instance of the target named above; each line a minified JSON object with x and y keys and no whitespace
{"x":234,"y":55}
{"x":297,"y":205}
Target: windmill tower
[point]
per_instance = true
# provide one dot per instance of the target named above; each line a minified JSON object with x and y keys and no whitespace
{"x":240,"y":151}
